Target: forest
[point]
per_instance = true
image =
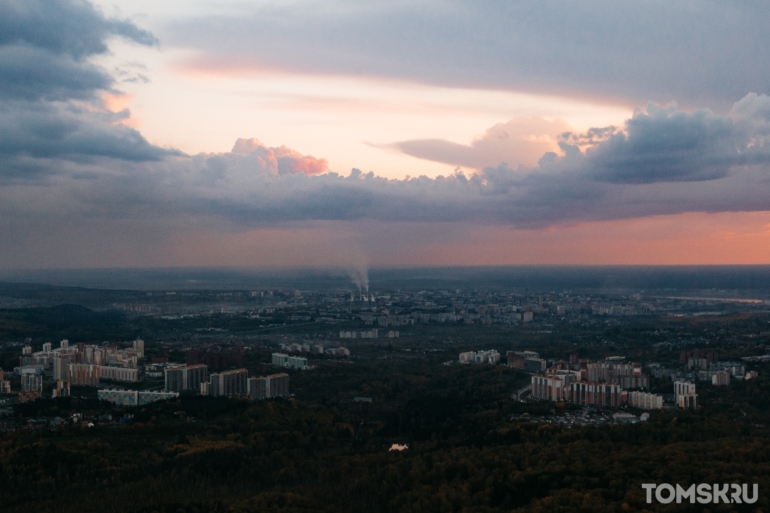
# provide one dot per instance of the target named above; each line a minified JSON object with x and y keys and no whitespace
{"x":322,"y":451}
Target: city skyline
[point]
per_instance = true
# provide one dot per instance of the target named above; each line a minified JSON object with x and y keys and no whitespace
{"x":426,"y":133}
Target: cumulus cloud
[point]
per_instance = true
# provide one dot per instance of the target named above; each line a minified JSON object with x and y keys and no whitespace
{"x":51,"y":106}
{"x":698,"y":53}
{"x":520,"y":141}
{"x":280,"y":160}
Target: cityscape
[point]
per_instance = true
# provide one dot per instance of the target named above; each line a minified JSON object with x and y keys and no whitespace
{"x":407,"y":374}
{"x":276,"y":256}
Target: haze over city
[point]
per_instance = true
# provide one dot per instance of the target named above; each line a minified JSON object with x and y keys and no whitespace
{"x":304,"y":133}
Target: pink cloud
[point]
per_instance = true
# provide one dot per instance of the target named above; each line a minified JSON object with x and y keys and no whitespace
{"x":280,"y":160}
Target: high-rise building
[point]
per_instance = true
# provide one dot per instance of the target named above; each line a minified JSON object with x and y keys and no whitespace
{"x":553,"y":387}
{"x":598,"y":372}
{"x":196,"y":374}
{"x":597,"y":394}
{"x":687,"y":401}
{"x":26,"y":350}
{"x":628,"y":382}
{"x":264,"y":387}
{"x":258,"y":387}
{"x":228,"y":383}
{"x":684,"y":394}
{"x":118,"y":373}
{"x":47,"y":347}
{"x":64,"y":344}
{"x":683,"y":387}
{"x":184,"y":377}
{"x":83,"y":374}
{"x":138,"y":346}
{"x":5,"y":387}
{"x":278,"y":385}
{"x":60,"y":367}
{"x":176,"y":379}
{"x":30,"y":382}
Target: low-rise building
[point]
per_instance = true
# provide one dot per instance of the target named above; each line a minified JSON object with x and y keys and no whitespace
{"x":280,"y":359}
{"x":490,"y":357}
{"x":720,"y":378}
{"x":28,"y":396}
{"x":62,"y":389}
{"x":515,"y":360}
{"x":297,"y":362}
{"x":535,"y":365}
{"x":133,"y":397}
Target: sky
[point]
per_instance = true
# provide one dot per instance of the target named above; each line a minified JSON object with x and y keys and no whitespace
{"x":306,"y":133}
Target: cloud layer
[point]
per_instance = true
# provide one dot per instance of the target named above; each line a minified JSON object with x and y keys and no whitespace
{"x":662,"y":161}
{"x":700,"y":53}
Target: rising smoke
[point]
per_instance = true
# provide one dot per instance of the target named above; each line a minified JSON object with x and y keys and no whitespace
{"x":360,"y":276}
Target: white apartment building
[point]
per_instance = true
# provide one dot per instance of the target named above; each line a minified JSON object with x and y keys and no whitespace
{"x":645,"y":401}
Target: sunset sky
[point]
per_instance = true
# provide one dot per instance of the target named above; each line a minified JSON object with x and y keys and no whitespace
{"x":234,"y":133}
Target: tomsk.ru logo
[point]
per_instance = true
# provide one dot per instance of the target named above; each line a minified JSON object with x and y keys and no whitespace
{"x":702,"y":493}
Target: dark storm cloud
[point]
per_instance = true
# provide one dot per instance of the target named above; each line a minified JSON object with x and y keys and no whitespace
{"x":46,"y":130}
{"x":44,"y":47}
{"x":666,"y":145}
{"x":44,"y":52}
{"x":31,"y":74}
{"x":695,"y":52}
{"x":71,"y":27}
